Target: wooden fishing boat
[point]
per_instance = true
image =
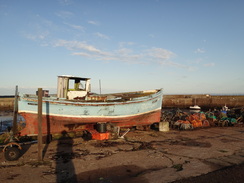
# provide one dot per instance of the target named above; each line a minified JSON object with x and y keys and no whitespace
{"x":76,"y":109}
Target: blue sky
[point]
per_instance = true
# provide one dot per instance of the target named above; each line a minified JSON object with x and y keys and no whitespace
{"x":183,"y":46}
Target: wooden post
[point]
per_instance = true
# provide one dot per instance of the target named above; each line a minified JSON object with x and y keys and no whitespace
{"x":39,"y":124}
{"x":15,"y":111}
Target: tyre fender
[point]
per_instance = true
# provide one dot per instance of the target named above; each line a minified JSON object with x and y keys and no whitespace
{"x":11,"y":144}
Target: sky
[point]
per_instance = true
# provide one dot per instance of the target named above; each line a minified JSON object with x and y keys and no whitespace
{"x":182,"y":46}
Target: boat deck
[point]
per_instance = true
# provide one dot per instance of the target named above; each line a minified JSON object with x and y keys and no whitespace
{"x":113,"y":97}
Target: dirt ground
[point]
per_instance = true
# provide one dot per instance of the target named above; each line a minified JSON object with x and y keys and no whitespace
{"x":202,"y":155}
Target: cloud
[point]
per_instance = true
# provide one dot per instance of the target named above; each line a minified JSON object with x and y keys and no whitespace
{"x":152,"y":35}
{"x":160,"y":53}
{"x":124,"y":51}
{"x":128,"y":56}
{"x":65,"y":14}
{"x":39,"y":30}
{"x":123,"y":44}
{"x":77,"y":27}
{"x":100,"y":35}
{"x":209,"y":64}
{"x":199,"y":50}
{"x":82,"y":54}
{"x":93,"y":22}
{"x":65,"y":2}
{"x":198,"y":60}
{"x":155,"y":55}
{"x":149,"y":56}
{"x":38,"y":36}
{"x":76,"y":45}
{"x":163,"y":57}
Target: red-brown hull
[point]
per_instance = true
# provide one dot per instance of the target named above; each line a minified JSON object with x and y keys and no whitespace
{"x":58,"y":124}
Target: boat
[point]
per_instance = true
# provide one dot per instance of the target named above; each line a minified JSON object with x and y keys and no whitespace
{"x":225,"y":108}
{"x":75,"y":108}
{"x":195,"y":107}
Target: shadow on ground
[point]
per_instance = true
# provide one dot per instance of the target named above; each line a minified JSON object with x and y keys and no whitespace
{"x":118,"y":174}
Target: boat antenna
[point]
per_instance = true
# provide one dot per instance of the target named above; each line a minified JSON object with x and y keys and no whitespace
{"x":100,"y":86}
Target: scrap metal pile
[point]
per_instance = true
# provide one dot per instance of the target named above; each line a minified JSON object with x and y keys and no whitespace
{"x":181,"y":120}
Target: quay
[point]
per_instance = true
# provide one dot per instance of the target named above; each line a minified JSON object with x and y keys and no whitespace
{"x":204,"y":101}
{"x":6,"y":102}
{"x":169,"y":101}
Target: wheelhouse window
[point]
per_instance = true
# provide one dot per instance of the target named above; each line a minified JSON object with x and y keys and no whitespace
{"x":77,"y":85}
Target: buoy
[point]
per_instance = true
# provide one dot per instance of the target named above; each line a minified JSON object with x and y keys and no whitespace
{"x":164,"y":126}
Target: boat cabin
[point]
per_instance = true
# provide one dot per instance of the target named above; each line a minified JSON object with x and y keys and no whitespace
{"x":71,"y":87}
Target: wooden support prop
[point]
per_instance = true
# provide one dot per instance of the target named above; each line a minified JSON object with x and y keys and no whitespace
{"x":15,"y":111}
{"x":39,"y":124}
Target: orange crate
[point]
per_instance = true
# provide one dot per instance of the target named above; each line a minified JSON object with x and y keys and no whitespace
{"x":99,"y":136}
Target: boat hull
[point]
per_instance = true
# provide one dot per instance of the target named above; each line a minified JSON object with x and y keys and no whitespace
{"x":62,"y":115}
{"x":57,"y":124}
{"x":195,"y":107}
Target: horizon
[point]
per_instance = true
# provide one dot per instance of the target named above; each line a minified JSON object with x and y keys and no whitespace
{"x":182,"y":46}
{"x":53,"y":91}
